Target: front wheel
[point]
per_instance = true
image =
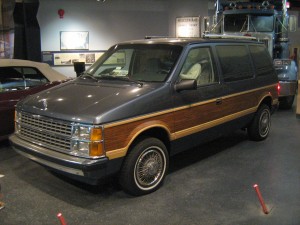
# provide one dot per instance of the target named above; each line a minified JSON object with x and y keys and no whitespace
{"x":260,"y":126}
{"x":145,"y":167}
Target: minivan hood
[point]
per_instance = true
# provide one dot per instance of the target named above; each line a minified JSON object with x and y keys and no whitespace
{"x":89,"y":102}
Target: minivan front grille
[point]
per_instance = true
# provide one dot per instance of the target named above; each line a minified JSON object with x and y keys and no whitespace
{"x":43,"y":131}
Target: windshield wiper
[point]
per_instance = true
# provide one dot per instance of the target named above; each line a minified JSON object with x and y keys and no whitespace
{"x":88,"y":75}
{"x":123,"y":78}
{"x":134,"y":81}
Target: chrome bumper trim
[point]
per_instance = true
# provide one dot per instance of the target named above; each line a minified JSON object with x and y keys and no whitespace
{"x":50,"y":164}
{"x":287,"y":88}
{"x":62,"y":158}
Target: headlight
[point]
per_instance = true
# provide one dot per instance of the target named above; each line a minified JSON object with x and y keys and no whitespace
{"x":17,"y":122}
{"x":82,"y":133}
{"x":87,"y":141}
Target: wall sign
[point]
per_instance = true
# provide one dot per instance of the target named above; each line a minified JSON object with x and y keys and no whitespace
{"x":67,"y":58}
{"x":188,"y":26}
{"x":74,"y":40}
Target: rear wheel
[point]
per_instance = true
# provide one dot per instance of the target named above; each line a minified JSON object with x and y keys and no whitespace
{"x":260,"y":126}
{"x":145,"y":167}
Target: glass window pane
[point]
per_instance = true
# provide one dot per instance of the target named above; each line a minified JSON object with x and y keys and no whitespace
{"x":235,"y":62}
{"x":261,"y":59}
{"x":199,"y":66}
{"x":11,"y":79}
{"x":33,"y":77}
{"x":151,"y":63}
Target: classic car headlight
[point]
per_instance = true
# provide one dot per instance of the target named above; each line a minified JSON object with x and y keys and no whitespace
{"x":87,"y":141}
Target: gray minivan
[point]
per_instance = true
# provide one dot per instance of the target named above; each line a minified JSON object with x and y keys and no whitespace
{"x":144,"y":101}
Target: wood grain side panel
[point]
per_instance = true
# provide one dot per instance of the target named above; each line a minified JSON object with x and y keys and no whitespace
{"x":211,"y":111}
{"x":185,"y":120}
{"x":120,"y":136}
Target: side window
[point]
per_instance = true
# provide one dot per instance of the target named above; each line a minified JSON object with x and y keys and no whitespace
{"x":235,"y":62}
{"x":261,"y":59}
{"x":33,"y":77}
{"x":198,"y":66}
{"x":11,"y":79}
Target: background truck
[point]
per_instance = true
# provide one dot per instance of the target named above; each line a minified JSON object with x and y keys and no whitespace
{"x":268,"y":22}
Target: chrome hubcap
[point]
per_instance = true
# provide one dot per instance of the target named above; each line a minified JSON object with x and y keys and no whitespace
{"x":264,"y":123}
{"x":150,"y":167}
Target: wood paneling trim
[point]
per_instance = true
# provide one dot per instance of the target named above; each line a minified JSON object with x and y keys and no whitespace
{"x":204,"y":126}
{"x":183,"y":121}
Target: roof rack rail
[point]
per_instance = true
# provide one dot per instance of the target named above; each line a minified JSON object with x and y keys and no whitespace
{"x":229,"y":36}
{"x":152,"y":37}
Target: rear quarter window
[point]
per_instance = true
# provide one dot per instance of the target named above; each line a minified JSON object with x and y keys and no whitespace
{"x":261,"y":59}
{"x":235,"y":62}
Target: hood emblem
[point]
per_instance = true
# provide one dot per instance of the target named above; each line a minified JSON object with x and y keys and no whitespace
{"x":44,"y":102}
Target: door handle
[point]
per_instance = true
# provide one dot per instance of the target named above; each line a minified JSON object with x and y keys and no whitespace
{"x":219,"y":101}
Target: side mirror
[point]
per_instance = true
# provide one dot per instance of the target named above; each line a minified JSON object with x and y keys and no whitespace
{"x":79,"y":68}
{"x":206,"y":24}
{"x":292,"y":23}
{"x":186,"y":85}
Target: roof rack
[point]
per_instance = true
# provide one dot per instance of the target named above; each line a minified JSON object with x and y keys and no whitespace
{"x":152,"y":37}
{"x":229,"y":36}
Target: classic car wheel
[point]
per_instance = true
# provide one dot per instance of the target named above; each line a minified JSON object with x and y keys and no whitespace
{"x":260,"y":126}
{"x":145,"y":167}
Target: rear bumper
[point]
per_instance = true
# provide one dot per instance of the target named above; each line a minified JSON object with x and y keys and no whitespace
{"x":86,"y":170}
{"x":287,"y":88}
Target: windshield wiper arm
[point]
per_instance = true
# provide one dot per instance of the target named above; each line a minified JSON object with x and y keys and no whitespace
{"x":88,"y":75}
{"x":134,"y":81}
{"x":123,"y":78}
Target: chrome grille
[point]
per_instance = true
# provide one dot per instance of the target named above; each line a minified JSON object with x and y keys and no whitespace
{"x":46,"y":132}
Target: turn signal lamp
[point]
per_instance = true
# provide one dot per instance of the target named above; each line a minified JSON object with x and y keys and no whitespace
{"x":96,"y":134}
{"x":96,"y":144}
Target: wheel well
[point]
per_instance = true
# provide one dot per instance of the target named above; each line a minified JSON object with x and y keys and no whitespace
{"x":267,"y":101}
{"x":156,"y":132}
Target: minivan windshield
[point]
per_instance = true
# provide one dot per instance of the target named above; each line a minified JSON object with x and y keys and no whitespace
{"x":137,"y":62}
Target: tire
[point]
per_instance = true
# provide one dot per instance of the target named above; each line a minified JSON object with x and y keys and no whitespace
{"x":145,"y":167}
{"x":286,"y":102}
{"x":259,"y":128}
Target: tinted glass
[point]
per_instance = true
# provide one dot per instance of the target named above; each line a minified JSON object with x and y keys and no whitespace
{"x":242,"y":23}
{"x":235,"y":62}
{"x":261,"y":60}
{"x":235,"y":23}
{"x":262,"y":23}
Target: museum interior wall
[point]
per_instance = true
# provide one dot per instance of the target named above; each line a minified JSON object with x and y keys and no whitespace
{"x":107,"y":22}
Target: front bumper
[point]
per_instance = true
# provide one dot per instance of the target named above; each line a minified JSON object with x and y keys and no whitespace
{"x":86,"y":170}
{"x":287,"y":88}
